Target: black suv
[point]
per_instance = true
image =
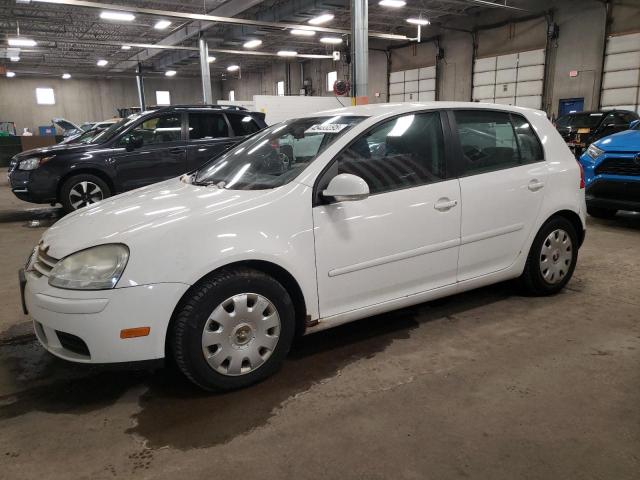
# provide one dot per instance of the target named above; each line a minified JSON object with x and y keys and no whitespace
{"x":581,"y":129}
{"x":144,"y":148}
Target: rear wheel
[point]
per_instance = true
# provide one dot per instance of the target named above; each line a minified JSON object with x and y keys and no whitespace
{"x":552,"y":258}
{"x":600,"y":212}
{"x":234,"y":329}
{"x":82,"y":190}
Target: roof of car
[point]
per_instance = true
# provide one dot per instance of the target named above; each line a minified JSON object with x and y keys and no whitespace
{"x":378,"y":109}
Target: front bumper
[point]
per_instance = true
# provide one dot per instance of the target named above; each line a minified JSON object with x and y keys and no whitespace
{"x":85,"y":326}
{"x":29,"y":187}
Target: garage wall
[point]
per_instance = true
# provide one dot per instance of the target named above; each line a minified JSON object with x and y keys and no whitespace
{"x":81,"y":100}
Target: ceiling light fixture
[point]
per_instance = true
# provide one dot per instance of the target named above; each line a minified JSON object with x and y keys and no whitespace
{"x":392,"y":3}
{"x":418,"y":21}
{"x":287,"y":53}
{"x":11,"y":74}
{"x":15,"y":59}
{"x":170,"y":73}
{"x":211,"y":59}
{"x":162,"y":24}
{"x":118,"y":16}
{"x":320,"y":19}
{"x":102,"y":63}
{"x":22,"y":42}
{"x":252,"y":43}
{"x":126,"y":47}
{"x":233,"y":68}
{"x":303,"y":33}
{"x":331,"y":40}
{"x":66,"y":76}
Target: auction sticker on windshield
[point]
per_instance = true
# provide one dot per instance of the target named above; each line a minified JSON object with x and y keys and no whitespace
{"x":328,"y":128}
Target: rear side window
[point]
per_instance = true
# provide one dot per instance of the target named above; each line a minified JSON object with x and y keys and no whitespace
{"x":495,"y":140}
{"x":242,"y":124}
{"x":207,"y":125}
{"x":404,"y":152}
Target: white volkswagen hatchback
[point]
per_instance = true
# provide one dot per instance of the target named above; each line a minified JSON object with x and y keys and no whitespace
{"x":309,"y":224}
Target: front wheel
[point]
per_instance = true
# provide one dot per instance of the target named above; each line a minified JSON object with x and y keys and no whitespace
{"x":233,"y":329}
{"x":552,"y":258}
{"x":82,"y":190}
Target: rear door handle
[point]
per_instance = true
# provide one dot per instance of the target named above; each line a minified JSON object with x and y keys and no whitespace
{"x":535,"y":185}
{"x":444,"y":204}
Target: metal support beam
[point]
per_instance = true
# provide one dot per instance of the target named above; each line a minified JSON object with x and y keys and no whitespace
{"x":205,"y":73}
{"x":360,"y":49}
{"x":140,"y":83}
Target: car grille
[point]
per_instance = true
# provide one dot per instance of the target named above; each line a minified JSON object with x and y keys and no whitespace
{"x":618,"y":166}
{"x":43,"y":263}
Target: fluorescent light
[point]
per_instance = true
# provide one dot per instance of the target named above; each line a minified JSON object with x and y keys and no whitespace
{"x":418,"y":21}
{"x":66,"y":76}
{"x":162,"y":24}
{"x":15,"y":59}
{"x":118,"y":16}
{"x":211,"y":59}
{"x":287,"y":53}
{"x":304,"y":33}
{"x":392,"y":3}
{"x":327,"y":17}
{"x":232,"y":68}
{"x":102,"y":63}
{"x":126,"y":47}
{"x":11,"y":74}
{"x":22,"y":42}
{"x":332,"y":40}
{"x":252,"y":43}
{"x":170,"y":73}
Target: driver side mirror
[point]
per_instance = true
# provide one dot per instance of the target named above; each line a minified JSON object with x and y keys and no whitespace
{"x":131,"y":142}
{"x":346,"y":188}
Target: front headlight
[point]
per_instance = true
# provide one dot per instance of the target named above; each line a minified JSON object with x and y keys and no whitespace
{"x":32,"y":163}
{"x":96,"y":268}
{"x":594,"y":152}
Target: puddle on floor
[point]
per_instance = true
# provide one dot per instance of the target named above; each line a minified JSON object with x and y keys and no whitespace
{"x":33,"y":217}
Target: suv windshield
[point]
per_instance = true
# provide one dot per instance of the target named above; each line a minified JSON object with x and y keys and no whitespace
{"x":579,"y":120}
{"x":276,"y":155}
{"x":114,"y":129}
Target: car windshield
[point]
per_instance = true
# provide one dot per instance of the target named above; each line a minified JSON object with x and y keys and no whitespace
{"x":579,"y":120}
{"x":114,"y":129}
{"x":276,"y":155}
{"x":87,"y":136}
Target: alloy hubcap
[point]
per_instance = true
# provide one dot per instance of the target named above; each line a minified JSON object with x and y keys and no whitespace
{"x":241,"y":334}
{"x":84,"y":193}
{"x":556,"y":256}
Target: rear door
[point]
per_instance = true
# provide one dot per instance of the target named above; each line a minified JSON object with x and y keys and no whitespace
{"x":209,"y":135}
{"x":161,"y":153}
{"x":502,"y":179}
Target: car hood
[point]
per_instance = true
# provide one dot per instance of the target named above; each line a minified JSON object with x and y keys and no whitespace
{"x":627,"y":141}
{"x":53,"y":150}
{"x":164,"y":205}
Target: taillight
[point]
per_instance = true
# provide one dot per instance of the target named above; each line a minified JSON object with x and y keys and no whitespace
{"x":581,"y":175}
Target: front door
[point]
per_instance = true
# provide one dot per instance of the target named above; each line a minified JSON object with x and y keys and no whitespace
{"x":401,"y":240}
{"x":502,"y":182}
{"x":157,"y":152}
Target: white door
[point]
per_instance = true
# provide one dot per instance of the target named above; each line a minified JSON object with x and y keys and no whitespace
{"x":502,"y":186}
{"x":404,"y":238}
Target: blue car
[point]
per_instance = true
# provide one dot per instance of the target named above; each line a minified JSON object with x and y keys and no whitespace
{"x":612,"y":173}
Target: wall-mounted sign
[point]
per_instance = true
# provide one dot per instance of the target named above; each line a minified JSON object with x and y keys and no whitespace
{"x":336,"y":55}
{"x":573,"y":73}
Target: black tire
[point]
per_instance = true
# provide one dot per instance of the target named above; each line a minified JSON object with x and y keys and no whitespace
{"x":194,"y":311}
{"x":532,"y":278}
{"x":76,"y":182}
{"x":600,"y":212}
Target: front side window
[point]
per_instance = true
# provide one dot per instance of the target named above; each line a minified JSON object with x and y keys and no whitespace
{"x":276,"y":155}
{"x":400,"y":153}
{"x":207,"y":126}
{"x":242,"y":124}
{"x":489,"y":140}
{"x":156,"y":130}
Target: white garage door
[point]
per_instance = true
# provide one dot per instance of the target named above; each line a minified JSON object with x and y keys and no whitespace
{"x":514,"y":79}
{"x":621,"y":81}
{"x":417,"y":85}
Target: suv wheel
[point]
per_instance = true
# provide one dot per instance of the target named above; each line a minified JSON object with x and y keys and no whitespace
{"x":82,"y":190}
{"x":552,"y":258}
{"x":600,"y":212}
{"x":233,"y":329}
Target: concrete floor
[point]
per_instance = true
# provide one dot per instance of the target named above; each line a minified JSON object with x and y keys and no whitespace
{"x":487,"y":384}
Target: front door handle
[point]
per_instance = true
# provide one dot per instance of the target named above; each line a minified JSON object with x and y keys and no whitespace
{"x":175,"y":151}
{"x":535,"y":185}
{"x":444,"y":204}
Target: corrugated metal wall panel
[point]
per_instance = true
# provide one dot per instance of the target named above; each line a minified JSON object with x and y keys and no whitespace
{"x":621,"y":76}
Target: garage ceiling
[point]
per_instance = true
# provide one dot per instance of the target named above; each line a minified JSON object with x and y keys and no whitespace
{"x":72,"y":39}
